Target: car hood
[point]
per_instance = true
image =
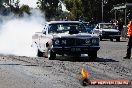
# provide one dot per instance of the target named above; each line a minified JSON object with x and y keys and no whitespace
{"x":79,"y":35}
{"x":110,"y":30}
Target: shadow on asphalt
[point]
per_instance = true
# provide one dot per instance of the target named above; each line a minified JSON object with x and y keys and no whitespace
{"x":105,"y":60}
{"x":83,"y":59}
{"x":122,"y":40}
{"x":19,"y":64}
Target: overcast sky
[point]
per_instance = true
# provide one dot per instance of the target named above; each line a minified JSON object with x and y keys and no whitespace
{"x":31,"y":3}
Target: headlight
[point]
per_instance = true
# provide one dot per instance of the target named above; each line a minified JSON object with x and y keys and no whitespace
{"x":63,"y":42}
{"x":57,"y":42}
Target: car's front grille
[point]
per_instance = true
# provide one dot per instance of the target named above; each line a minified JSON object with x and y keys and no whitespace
{"x":76,"y":42}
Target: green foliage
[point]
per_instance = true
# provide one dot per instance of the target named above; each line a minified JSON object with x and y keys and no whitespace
{"x":87,"y":8}
{"x":24,"y":9}
{"x":50,"y":7}
{"x":75,"y":8}
{"x":15,"y":8}
{"x":91,"y":9}
{"x":79,"y":8}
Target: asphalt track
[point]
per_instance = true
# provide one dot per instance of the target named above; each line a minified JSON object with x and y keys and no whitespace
{"x":64,"y":72}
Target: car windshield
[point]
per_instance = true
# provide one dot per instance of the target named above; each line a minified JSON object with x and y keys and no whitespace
{"x":65,"y":27}
{"x":107,"y":26}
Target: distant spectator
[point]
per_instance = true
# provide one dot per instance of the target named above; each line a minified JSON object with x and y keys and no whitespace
{"x":129,"y":15}
{"x":129,"y":46}
{"x":120,"y":26}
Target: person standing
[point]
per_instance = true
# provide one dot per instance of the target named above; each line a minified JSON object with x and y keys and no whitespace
{"x":120,"y":27}
{"x":129,"y":46}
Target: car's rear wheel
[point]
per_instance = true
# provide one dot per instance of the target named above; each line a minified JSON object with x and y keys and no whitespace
{"x":92,"y":56}
{"x":52,"y":55}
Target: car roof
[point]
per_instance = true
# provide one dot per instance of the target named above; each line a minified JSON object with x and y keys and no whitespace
{"x":85,"y":22}
{"x":53,"y":22}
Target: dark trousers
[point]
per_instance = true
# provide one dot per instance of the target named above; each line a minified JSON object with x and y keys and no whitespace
{"x":129,"y":46}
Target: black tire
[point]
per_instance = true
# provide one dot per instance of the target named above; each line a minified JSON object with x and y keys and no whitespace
{"x":92,"y":56}
{"x":39,"y":53}
{"x":111,"y":39}
{"x":100,"y":38}
{"x":118,"y":39}
{"x":52,"y":55}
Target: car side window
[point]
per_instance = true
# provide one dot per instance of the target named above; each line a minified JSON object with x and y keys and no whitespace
{"x":52,"y":28}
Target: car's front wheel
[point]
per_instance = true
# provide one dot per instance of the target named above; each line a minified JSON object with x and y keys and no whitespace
{"x":118,"y":39}
{"x":111,"y":39}
{"x":92,"y":56}
{"x":100,"y":38}
{"x":52,"y":55}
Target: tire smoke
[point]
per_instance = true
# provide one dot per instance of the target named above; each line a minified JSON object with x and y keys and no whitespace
{"x":16,"y":34}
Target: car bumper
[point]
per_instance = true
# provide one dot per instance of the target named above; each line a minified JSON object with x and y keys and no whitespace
{"x":110,"y":36}
{"x":75,"y":49}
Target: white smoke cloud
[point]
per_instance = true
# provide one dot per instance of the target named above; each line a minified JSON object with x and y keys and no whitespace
{"x":16,"y":34}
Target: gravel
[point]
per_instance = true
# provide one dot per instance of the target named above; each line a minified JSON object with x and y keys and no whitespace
{"x":34,"y":72}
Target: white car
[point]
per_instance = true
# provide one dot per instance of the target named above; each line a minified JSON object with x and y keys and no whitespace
{"x":65,"y":38}
{"x":107,"y":31}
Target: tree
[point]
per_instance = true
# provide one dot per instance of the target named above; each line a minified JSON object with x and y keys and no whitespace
{"x":92,"y":8}
{"x":24,"y":9}
{"x":129,"y":1}
{"x":89,"y":9}
{"x":75,"y":8}
{"x":50,"y":7}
